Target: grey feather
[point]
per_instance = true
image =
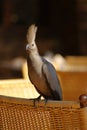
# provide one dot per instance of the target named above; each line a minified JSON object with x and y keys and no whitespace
{"x":41,"y":72}
{"x":52,"y":79}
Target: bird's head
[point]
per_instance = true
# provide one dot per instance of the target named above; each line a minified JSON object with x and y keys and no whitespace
{"x":31,"y":35}
{"x":31,"y":47}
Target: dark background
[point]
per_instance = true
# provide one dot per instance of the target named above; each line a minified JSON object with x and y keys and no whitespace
{"x":62,"y":26}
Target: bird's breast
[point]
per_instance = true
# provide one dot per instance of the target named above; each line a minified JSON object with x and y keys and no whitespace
{"x":39,"y":81}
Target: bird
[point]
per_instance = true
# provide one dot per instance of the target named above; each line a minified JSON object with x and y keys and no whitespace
{"x":41,"y":72}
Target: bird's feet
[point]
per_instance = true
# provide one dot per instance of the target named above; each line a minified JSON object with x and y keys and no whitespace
{"x":37,"y":100}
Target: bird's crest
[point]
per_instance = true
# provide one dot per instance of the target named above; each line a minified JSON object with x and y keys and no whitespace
{"x":31,"y":34}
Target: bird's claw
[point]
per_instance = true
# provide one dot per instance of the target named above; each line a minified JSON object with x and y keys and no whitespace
{"x":37,"y":100}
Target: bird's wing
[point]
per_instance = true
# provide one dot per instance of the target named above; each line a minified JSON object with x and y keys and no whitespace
{"x":51,"y":77}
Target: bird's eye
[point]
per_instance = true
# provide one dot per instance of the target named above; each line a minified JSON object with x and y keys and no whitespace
{"x":32,"y":44}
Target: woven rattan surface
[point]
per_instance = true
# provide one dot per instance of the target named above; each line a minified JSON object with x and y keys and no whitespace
{"x":21,"y":114}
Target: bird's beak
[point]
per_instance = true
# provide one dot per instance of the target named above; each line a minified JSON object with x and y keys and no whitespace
{"x":27,"y":47}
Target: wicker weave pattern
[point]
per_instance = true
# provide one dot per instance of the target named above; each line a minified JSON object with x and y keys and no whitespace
{"x":20,"y":114}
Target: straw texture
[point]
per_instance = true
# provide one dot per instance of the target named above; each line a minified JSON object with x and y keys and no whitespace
{"x":21,"y":114}
{"x":83,"y":118}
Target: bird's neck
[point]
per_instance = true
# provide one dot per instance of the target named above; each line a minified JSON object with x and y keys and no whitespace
{"x":35,"y":61}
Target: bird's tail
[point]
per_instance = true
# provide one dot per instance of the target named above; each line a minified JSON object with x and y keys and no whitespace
{"x":31,"y":34}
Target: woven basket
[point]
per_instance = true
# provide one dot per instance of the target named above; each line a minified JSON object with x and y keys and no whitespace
{"x":21,"y":114}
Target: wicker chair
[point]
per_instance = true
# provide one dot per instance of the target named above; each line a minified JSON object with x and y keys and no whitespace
{"x":73,"y":84}
{"x":18,"y":88}
{"x":77,"y":60}
{"x":21,"y":114}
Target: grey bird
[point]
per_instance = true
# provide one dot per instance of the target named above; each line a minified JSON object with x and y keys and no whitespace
{"x":41,"y":73}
